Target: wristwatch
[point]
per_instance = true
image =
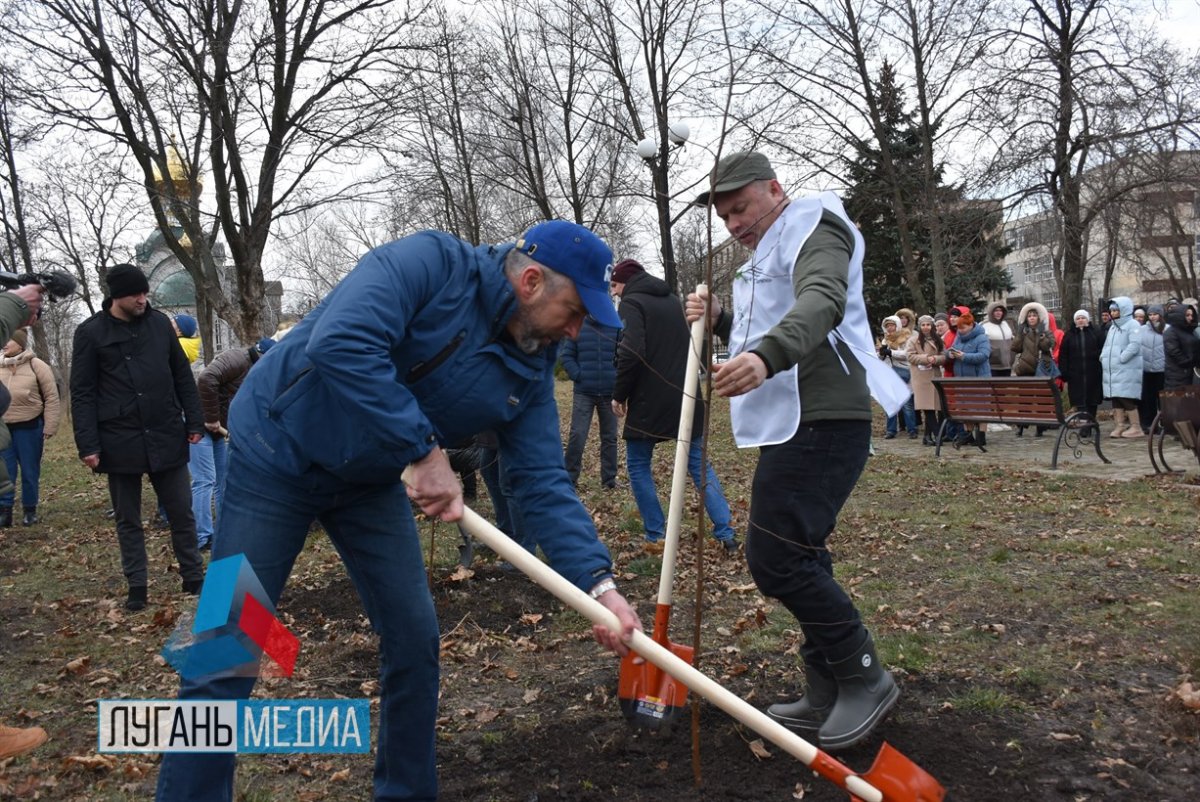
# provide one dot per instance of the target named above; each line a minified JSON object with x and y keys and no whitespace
{"x":602,"y":587}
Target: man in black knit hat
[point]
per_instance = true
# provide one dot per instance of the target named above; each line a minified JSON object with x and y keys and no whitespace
{"x":135,"y":410}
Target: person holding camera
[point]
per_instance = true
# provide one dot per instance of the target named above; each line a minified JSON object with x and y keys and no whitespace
{"x":19,"y":307}
{"x":893,"y":349}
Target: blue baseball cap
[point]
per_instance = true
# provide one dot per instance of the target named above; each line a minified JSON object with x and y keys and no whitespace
{"x":581,"y":256}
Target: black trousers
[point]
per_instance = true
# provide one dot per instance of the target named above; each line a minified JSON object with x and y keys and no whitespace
{"x":1152,"y":385}
{"x":174,"y":490}
{"x":798,"y":491}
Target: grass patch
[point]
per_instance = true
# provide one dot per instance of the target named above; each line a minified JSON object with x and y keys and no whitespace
{"x":645,"y":566}
{"x":985,"y":700}
{"x":768,"y":639}
{"x":908,"y":650}
{"x":1006,"y":591}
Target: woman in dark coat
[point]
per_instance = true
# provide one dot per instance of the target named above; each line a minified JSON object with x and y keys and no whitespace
{"x":1079,"y":361}
{"x":1180,"y":346}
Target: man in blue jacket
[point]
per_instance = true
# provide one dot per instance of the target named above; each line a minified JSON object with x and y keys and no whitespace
{"x":428,"y":341}
{"x":588,"y":361}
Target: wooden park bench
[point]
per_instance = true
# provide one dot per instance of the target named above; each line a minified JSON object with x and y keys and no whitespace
{"x":1016,"y":401}
{"x":1178,"y":419}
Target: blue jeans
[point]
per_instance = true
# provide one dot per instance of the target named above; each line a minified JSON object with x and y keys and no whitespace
{"x":638,"y":455}
{"x":25,"y":452}
{"x":909,"y":411}
{"x":266,"y":517}
{"x":798,"y":491}
{"x":581,"y":422}
{"x":489,"y":469}
{"x":207,"y":466}
{"x":508,"y":514}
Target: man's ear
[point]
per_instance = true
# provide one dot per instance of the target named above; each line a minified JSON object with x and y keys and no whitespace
{"x":529,"y":282}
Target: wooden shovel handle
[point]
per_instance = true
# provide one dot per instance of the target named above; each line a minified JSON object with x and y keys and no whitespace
{"x":683,"y":444}
{"x":641,"y":643}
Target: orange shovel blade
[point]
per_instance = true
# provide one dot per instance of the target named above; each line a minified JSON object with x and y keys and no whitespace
{"x":651,"y":698}
{"x":901,"y":780}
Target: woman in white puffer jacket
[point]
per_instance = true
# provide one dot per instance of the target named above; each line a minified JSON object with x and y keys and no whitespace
{"x":1121,"y":366}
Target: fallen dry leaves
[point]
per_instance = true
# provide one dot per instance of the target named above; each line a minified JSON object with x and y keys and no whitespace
{"x":1189,"y":695}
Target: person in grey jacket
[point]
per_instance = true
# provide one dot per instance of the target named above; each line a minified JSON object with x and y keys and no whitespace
{"x":589,"y":362}
{"x":1121,"y":366}
{"x":1154,"y":365}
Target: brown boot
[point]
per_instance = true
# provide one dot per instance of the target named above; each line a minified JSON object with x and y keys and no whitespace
{"x":14,"y":741}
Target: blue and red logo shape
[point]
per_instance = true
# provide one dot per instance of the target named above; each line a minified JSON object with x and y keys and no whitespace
{"x":234,"y":629}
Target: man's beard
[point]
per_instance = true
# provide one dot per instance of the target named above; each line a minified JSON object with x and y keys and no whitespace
{"x":527,"y":338}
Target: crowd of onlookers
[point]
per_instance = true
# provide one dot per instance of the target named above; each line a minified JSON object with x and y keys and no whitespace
{"x":1130,"y":355}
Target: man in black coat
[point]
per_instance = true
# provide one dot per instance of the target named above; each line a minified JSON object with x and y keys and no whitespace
{"x":131,"y":391}
{"x":651,"y":362}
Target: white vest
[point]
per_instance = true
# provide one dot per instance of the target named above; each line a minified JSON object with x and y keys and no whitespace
{"x":763,"y":294}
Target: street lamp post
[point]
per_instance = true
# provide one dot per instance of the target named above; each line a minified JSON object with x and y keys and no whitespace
{"x":656,"y":155}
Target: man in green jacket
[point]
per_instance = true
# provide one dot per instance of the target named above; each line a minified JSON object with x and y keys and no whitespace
{"x":801,"y":376}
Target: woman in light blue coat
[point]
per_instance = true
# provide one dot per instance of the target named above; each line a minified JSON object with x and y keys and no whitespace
{"x":1121,"y":367}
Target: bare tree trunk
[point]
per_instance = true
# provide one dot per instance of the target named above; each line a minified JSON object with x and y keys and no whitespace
{"x":265,"y":99}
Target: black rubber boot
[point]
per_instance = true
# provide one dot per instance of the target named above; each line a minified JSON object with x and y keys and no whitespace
{"x":807,"y":714}
{"x":192,"y":586}
{"x":981,"y":439}
{"x":5,"y":516}
{"x":30,"y":516}
{"x":866,"y":692}
{"x":137,"y":598}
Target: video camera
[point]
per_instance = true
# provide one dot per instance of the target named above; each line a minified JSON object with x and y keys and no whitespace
{"x":58,"y":284}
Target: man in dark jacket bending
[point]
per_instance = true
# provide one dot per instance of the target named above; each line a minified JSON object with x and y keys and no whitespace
{"x":136,"y":409}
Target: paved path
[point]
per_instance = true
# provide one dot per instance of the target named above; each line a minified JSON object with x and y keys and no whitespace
{"x":1130,"y":458}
